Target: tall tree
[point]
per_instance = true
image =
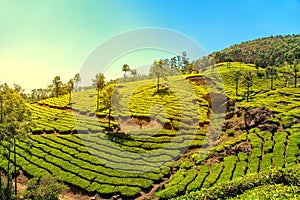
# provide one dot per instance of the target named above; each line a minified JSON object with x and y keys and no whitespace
{"x":15,"y":122}
{"x":286,"y":80}
{"x":77,"y":80}
{"x":173,"y":62}
{"x":237,"y":75}
{"x":39,"y":93}
{"x":257,"y":68}
{"x":70,"y":89}
{"x":57,"y":83}
{"x":271,"y":73}
{"x":99,"y":82}
{"x":125,"y":68}
{"x":157,"y":70}
{"x":111,"y":100}
{"x":33,"y":94}
{"x":248,"y":77}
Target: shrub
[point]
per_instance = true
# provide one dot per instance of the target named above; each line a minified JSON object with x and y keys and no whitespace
{"x":287,"y":121}
{"x":276,"y":191}
{"x":44,"y":188}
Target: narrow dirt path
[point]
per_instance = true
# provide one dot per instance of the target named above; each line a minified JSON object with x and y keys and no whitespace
{"x":150,"y":195}
{"x":71,"y":196}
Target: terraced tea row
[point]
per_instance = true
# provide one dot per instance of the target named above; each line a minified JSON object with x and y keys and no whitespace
{"x":92,"y":170}
{"x":268,"y":151}
{"x":50,"y":119}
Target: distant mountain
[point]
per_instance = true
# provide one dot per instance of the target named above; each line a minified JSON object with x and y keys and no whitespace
{"x":267,"y":51}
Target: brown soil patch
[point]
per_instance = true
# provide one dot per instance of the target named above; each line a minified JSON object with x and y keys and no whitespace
{"x":21,"y":182}
{"x":134,"y":124}
{"x":201,"y":80}
{"x":73,"y":196}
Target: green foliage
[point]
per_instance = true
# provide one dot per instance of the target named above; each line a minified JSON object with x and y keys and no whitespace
{"x":271,"y":73}
{"x":197,"y":183}
{"x":177,"y":185}
{"x":248,"y":81}
{"x":290,"y":176}
{"x":106,"y":163}
{"x":271,"y":191}
{"x":57,"y":84}
{"x":99,"y":83}
{"x":287,"y":121}
{"x":125,"y":68}
{"x":44,"y":188}
{"x":15,"y":118}
{"x":268,"y":51}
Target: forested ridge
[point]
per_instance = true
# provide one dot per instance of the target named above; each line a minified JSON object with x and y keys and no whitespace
{"x":267,"y":51}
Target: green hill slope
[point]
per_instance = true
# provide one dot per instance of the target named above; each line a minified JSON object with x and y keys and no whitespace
{"x":274,"y":50}
{"x":171,"y":142}
{"x":199,"y":134}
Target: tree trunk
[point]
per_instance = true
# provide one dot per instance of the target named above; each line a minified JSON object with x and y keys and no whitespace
{"x":100,"y":95}
{"x":98,"y":99}
{"x":70,"y":97}
{"x":248,"y":93}
{"x":8,"y":177}
{"x":141,"y":124}
{"x":272,"y":83}
{"x":57,"y":90}
{"x":15,"y":162}
{"x":157,"y":82}
{"x":295,"y":77}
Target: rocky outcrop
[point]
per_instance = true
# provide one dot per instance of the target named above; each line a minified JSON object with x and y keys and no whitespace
{"x":259,"y":118}
{"x":254,"y":118}
{"x":218,"y":102}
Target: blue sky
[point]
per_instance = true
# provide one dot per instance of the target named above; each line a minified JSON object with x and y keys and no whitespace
{"x":42,"y":39}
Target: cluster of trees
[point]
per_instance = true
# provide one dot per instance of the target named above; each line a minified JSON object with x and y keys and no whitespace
{"x":263,"y":52}
{"x":269,"y":51}
{"x":169,"y":67}
{"x":202,"y":63}
{"x":56,"y":88}
{"x":271,"y":73}
{"x":134,"y":75}
{"x":165,"y":67}
{"x":15,"y":123}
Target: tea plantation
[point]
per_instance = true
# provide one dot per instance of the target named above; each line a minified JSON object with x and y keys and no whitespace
{"x":193,"y":138}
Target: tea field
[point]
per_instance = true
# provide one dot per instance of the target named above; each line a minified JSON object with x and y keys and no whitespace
{"x":173,"y":142}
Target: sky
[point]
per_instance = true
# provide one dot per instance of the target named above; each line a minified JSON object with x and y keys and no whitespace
{"x":42,"y":39}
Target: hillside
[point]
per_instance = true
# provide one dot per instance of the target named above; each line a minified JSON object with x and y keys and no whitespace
{"x":268,"y":51}
{"x":200,"y":134}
